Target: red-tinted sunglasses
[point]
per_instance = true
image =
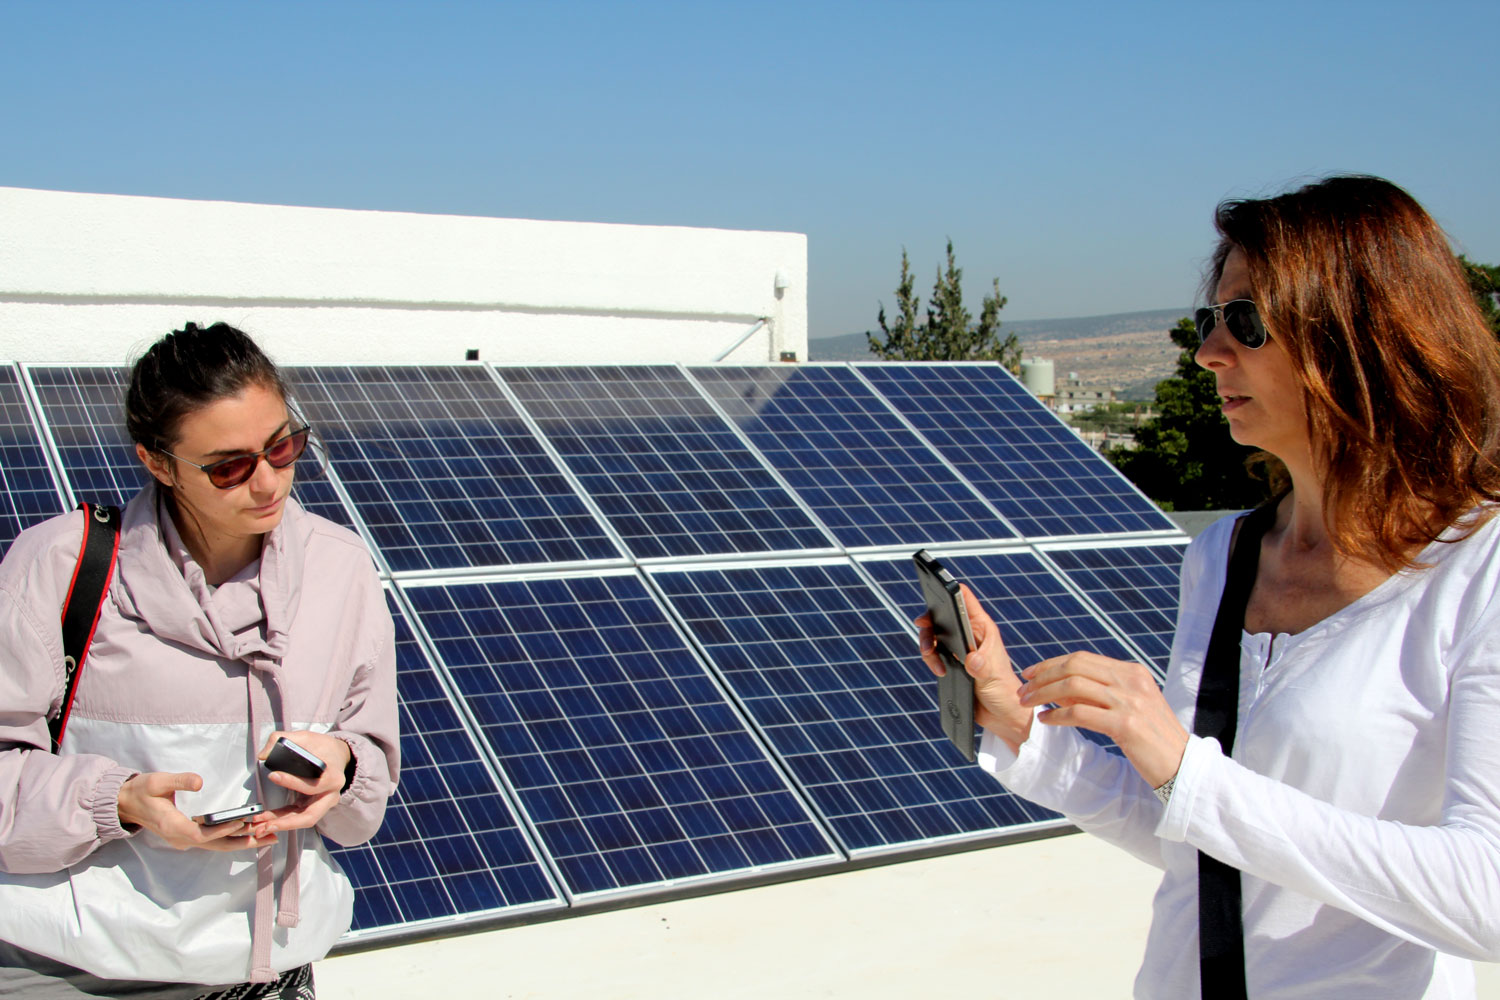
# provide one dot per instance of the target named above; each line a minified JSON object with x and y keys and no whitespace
{"x":227,"y":473}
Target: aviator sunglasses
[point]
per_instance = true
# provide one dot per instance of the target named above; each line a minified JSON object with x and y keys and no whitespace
{"x":1239,"y":316}
{"x":227,"y":473}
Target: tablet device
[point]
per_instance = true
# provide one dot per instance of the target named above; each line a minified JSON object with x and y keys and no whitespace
{"x":955,"y":639}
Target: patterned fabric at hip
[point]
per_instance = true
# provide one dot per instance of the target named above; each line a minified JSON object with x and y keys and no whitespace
{"x":293,"y":984}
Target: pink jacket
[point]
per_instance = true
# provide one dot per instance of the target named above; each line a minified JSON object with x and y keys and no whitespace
{"x":184,"y":677}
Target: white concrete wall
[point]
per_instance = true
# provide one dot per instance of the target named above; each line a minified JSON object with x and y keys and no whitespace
{"x":88,"y":277}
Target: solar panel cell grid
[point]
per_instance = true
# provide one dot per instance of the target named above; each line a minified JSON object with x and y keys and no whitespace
{"x":450,"y":846}
{"x":834,"y":683}
{"x":629,"y":761}
{"x":84,"y":408}
{"x":854,"y":462}
{"x":28,"y":491}
{"x":670,"y":475}
{"x":1040,"y":475}
{"x":443,"y":471}
{"x":1135,"y":586}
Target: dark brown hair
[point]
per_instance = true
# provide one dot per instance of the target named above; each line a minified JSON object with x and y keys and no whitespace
{"x":185,"y":371}
{"x":1400,"y":374}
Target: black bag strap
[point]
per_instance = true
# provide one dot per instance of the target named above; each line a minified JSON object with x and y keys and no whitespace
{"x":1221,"y":932}
{"x":80,"y":611}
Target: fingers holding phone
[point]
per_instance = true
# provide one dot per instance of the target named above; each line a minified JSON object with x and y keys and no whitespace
{"x":149,"y":801}
{"x":311,"y":764}
{"x":957,"y":630}
{"x":997,"y":704}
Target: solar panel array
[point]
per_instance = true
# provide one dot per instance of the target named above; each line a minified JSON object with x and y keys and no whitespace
{"x":83,"y":409}
{"x":653,"y":622}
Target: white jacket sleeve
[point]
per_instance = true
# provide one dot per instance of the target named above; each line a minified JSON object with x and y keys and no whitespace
{"x":368,"y":723}
{"x":1435,"y":885}
{"x":54,"y":810}
{"x":1096,"y":790}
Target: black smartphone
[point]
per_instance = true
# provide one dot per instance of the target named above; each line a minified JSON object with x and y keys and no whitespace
{"x":219,"y":816}
{"x":294,"y":759}
{"x":955,"y":639}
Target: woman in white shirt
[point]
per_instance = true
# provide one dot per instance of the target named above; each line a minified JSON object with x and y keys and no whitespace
{"x":1361,"y":803}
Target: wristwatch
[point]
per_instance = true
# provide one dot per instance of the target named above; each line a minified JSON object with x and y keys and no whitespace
{"x":1164,"y":791}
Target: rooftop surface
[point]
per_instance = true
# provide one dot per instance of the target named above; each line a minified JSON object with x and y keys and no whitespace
{"x":1060,"y":917}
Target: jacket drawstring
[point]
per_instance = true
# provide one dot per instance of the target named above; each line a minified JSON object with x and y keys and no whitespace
{"x":267,"y":890}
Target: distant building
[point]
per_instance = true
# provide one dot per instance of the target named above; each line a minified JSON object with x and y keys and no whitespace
{"x":1072,"y":396}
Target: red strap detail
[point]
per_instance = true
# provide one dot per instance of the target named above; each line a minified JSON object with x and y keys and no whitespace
{"x":88,"y":515}
{"x":70,"y":679}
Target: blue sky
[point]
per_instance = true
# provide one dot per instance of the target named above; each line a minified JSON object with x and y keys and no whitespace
{"x":1074,"y":151}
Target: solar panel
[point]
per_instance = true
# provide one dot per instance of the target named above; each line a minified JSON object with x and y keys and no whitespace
{"x":1037,"y":615}
{"x":576,"y":730}
{"x":84,"y":408}
{"x":443,"y":471}
{"x":860,"y":468}
{"x":1136,"y":586}
{"x":1024,"y":460}
{"x":28,"y":489}
{"x":834,"y":682}
{"x":450,"y":847}
{"x":634,"y":769}
{"x":668,"y":472}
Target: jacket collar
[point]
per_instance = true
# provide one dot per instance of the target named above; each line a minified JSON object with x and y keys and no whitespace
{"x":247,"y":618}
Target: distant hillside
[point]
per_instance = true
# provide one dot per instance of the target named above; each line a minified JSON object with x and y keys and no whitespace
{"x":1129,"y":351}
{"x":855,"y":346}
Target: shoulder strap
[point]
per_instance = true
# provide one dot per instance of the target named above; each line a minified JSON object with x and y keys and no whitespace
{"x":1219,"y":691}
{"x":1221,"y":931}
{"x":80,"y":611}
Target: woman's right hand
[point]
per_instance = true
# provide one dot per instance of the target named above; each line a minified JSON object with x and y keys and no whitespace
{"x":150,"y":801}
{"x":996,"y":705}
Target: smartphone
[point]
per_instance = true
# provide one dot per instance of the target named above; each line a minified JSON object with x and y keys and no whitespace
{"x":219,"y":816}
{"x":955,"y":639}
{"x":294,"y":759}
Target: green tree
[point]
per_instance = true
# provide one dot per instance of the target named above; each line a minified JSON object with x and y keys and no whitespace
{"x":949,"y":331}
{"x":1184,"y":458}
{"x":1484,"y":282}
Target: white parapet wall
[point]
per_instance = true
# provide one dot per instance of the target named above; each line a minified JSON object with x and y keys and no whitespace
{"x":94,"y":278}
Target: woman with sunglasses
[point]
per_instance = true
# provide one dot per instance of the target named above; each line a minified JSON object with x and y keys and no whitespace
{"x":1359,"y":809}
{"x":234,"y":618}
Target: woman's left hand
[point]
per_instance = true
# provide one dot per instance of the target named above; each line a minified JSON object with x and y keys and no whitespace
{"x":1113,"y":697}
{"x":316,"y":797}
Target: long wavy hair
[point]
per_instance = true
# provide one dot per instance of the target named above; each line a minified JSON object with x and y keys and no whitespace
{"x":1400,"y":374}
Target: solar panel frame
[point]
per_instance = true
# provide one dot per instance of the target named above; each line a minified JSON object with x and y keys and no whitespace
{"x":809,"y":438}
{"x":700,"y":479}
{"x":495,"y":532}
{"x":451,"y":816}
{"x":30,"y":485}
{"x":626,"y":696}
{"x":1072,"y":512}
{"x":859,"y":735}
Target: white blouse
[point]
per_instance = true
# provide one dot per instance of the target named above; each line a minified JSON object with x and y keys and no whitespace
{"x":1362,"y":800}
